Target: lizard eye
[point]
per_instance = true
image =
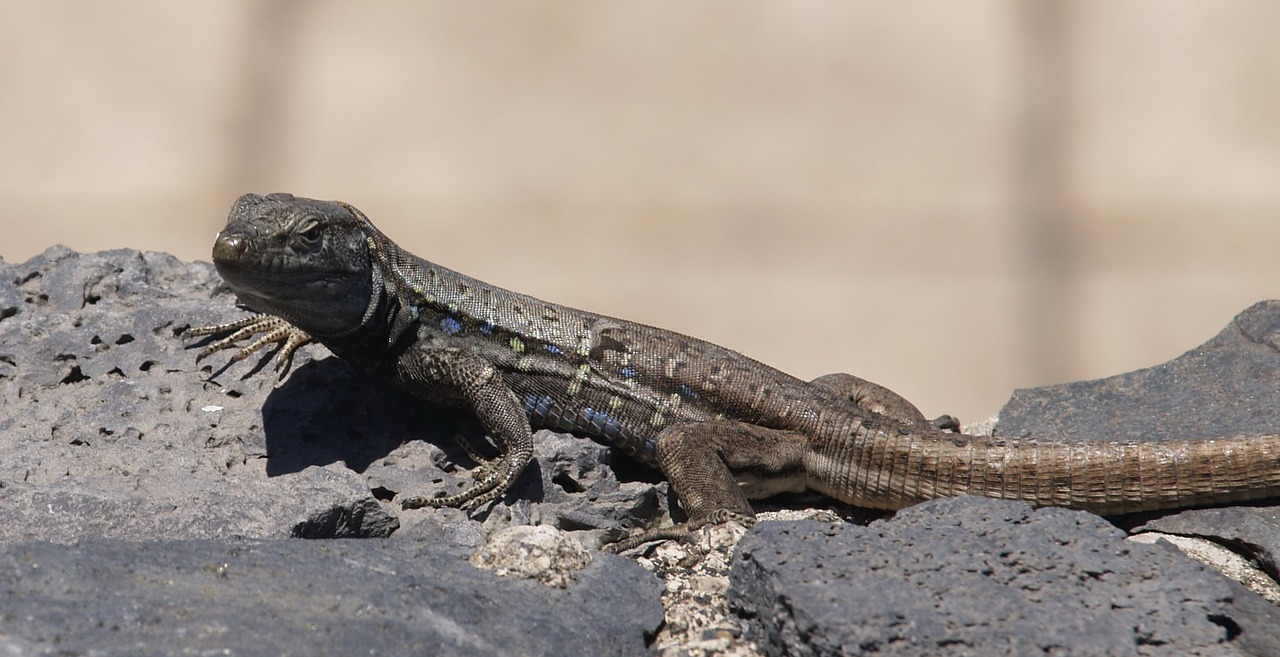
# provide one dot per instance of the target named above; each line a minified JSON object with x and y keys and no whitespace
{"x":309,"y":231}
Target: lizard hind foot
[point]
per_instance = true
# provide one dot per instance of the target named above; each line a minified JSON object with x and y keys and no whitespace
{"x":687,"y":531}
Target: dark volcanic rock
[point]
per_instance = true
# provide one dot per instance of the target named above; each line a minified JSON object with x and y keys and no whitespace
{"x":1226,"y":385}
{"x":972,"y":576}
{"x":293,"y":597}
{"x":112,"y":429}
{"x":1251,"y":531}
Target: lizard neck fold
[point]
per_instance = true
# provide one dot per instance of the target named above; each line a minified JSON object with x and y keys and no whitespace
{"x":382,"y":332}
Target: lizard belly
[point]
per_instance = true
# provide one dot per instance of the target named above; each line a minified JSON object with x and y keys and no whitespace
{"x":760,"y":487}
{"x":606,"y":417}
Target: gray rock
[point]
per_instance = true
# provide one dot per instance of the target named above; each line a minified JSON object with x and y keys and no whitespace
{"x":971,"y":576}
{"x":113,"y":431}
{"x":1225,"y":386}
{"x":294,"y":597}
{"x":1251,"y":531}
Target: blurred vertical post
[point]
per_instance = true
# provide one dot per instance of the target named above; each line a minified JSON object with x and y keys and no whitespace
{"x":268,"y":69}
{"x":1042,"y":190}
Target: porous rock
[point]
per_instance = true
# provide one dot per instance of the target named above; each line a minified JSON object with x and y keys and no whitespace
{"x":111,"y":430}
{"x":971,"y":576}
{"x":132,"y":472}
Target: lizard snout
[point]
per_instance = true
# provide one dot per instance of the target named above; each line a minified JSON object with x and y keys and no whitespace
{"x":229,"y":247}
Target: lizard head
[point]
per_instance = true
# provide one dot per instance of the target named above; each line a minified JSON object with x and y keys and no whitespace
{"x":299,"y":259}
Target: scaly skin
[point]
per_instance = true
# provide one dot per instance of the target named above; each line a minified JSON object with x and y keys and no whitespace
{"x":722,"y":428}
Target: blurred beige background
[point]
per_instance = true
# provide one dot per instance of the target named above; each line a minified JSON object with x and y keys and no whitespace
{"x":953,"y":198}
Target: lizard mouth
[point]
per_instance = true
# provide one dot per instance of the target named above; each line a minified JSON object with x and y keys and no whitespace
{"x":270,"y":277}
{"x":237,"y":262}
{"x":272,"y":282}
{"x":321,"y":301}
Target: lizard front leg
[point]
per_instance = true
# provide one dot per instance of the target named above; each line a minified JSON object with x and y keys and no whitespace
{"x":715,"y":467}
{"x":479,"y":386}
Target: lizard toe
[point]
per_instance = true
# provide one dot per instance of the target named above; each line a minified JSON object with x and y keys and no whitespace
{"x":685,"y":531}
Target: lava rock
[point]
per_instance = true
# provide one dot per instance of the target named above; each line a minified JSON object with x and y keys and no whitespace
{"x":1225,"y":386}
{"x":1251,"y":531}
{"x":113,"y":430}
{"x":295,"y":597}
{"x":973,"y":576}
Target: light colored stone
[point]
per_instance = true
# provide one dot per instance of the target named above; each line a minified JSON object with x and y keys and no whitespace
{"x":538,"y":552}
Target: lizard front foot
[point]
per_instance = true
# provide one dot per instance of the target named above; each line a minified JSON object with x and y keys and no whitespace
{"x":493,"y":478}
{"x":273,"y":330}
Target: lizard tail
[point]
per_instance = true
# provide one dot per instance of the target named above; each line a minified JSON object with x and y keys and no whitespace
{"x":887,"y":468}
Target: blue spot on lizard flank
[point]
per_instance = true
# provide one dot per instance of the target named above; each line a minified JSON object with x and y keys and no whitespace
{"x":537,"y":405}
{"x":689,"y":392}
{"x":450,"y":326}
{"x":553,"y":349}
{"x":629,"y":372}
{"x":486,"y":328}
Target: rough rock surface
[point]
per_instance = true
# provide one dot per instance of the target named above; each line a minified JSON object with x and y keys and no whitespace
{"x":109,"y":429}
{"x":156,"y":468}
{"x":969,"y":576}
{"x":1253,"y":531}
{"x":296,"y":597}
{"x":1226,"y":385}
{"x":132,"y":472}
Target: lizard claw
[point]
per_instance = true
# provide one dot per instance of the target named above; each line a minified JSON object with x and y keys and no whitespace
{"x":685,"y":531}
{"x":272,"y":330}
{"x":493,"y":478}
{"x":483,"y":463}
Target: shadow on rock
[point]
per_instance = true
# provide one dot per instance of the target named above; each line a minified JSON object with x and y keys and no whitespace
{"x":326,"y":412}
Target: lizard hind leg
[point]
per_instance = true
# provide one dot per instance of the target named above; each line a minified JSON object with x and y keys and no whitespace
{"x":878,"y":399}
{"x":715,"y":467}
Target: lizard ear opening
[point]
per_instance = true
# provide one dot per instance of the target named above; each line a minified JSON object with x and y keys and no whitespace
{"x":604,"y":340}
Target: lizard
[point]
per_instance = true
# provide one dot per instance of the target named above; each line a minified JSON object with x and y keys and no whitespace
{"x":721,"y":427}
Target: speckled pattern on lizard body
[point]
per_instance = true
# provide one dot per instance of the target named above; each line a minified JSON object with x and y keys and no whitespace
{"x":721,"y":427}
